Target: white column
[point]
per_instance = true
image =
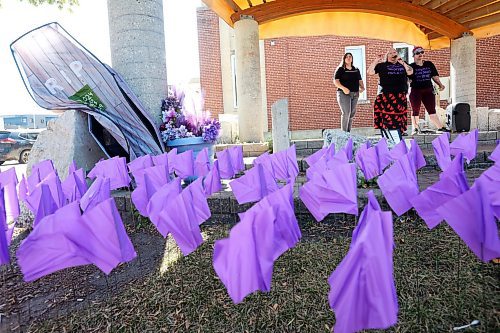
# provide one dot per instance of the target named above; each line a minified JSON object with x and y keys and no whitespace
{"x":463,"y":73}
{"x":137,"y":36}
{"x":248,"y":80}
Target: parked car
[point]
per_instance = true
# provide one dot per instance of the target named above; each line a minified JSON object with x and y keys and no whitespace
{"x":16,"y":144}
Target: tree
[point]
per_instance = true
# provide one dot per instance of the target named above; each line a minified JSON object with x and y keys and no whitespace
{"x":60,"y":3}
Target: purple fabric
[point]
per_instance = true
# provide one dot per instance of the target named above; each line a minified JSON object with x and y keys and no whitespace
{"x":465,"y":144}
{"x":43,"y":168}
{"x":140,"y":163}
{"x":67,"y":239}
{"x":43,"y":203}
{"x":456,"y":166}
{"x":334,"y":191}
{"x":417,"y":155}
{"x":160,"y":200}
{"x":254,"y":185}
{"x":212,"y":181}
{"x":151,"y":180}
{"x":398,"y":150}
{"x":226,"y":169}
{"x":282,"y":165}
{"x":495,"y":154}
{"x":490,"y":179}
{"x":447,"y":188}
{"x":362,"y":289}
{"x":236,"y":156}
{"x":33,"y":180}
{"x":183,"y":164}
{"x":171,"y":158}
{"x":161,"y":159}
{"x":471,"y":216}
{"x":349,"y":149}
{"x":329,"y":151}
{"x":72,"y":167}
{"x":4,"y":243}
{"x":202,"y":163}
{"x":399,"y":184}
{"x":23,"y":189}
{"x":98,"y":192}
{"x":115,"y":169}
{"x":327,"y":162}
{"x":74,"y":186}
{"x":244,"y":261}
{"x":441,"y":146}
{"x":373,"y":161}
{"x":183,"y":215}
{"x":8,"y":181}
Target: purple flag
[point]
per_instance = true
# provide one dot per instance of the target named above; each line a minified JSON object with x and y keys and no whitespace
{"x":202,"y":163}
{"x":348,"y":149}
{"x":183,"y":164}
{"x":373,"y":161}
{"x":43,"y":168}
{"x":23,"y":189}
{"x":456,"y":166}
{"x":33,"y":180}
{"x":282,"y":165}
{"x":495,"y":154}
{"x":43,"y":203}
{"x":183,"y":215}
{"x":151,"y":180}
{"x":4,"y":243}
{"x":171,"y":159}
{"x":244,"y":261}
{"x":74,"y":186}
{"x":8,"y":181}
{"x":115,"y":169}
{"x":140,"y":163}
{"x":398,"y":150}
{"x":326,"y":163}
{"x":490,"y":180}
{"x":399,"y":184}
{"x":160,"y":200}
{"x":447,"y":188}
{"x":212,"y":181}
{"x":226,"y":168}
{"x":98,"y":192}
{"x":236,"y":156}
{"x":162,"y":159}
{"x":362,"y":289}
{"x":334,"y":191}
{"x":465,"y":144}
{"x":416,"y":155}
{"x":254,"y":185}
{"x":441,"y":146}
{"x":72,"y":167}
{"x":328,"y":151}
{"x":471,"y":216}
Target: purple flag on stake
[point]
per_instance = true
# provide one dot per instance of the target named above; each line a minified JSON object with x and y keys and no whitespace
{"x":416,"y":155}
{"x":254,"y":185}
{"x":161,"y":159}
{"x":398,"y":150}
{"x":162,"y":197}
{"x":140,"y":163}
{"x":72,"y":167}
{"x":74,"y":186}
{"x":4,"y":243}
{"x":495,"y":154}
{"x":362,"y":289}
{"x":44,"y":203}
{"x":212,"y":182}
{"x":98,"y":192}
{"x":471,"y":216}
{"x":171,"y":158}
{"x":465,"y":144}
{"x":447,"y":188}
{"x":399,"y":184}
{"x":152,"y":179}
{"x":348,"y":149}
{"x":334,"y":191}
{"x":8,"y":181}
{"x":23,"y":189}
{"x":236,"y":155}
{"x":282,"y":165}
{"x":373,"y":160}
{"x":202,"y":163}
{"x":183,"y":215}
{"x":456,"y":166}
{"x":183,"y":164}
{"x":244,"y":261}
{"x":43,"y":168}
{"x":490,"y":180}
{"x":441,"y":146}
{"x":226,"y":169}
{"x":328,"y":151}
{"x":33,"y":180}
{"x":115,"y":169}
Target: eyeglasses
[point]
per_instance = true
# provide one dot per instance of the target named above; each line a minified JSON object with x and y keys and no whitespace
{"x":419,"y":52}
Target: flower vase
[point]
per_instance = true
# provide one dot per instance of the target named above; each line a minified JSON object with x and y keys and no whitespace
{"x":196,"y":144}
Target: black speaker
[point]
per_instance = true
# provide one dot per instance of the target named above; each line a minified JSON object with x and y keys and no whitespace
{"x":458,"y":117}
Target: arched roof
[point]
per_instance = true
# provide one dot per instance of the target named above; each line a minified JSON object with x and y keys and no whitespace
{"x":430,"y":23}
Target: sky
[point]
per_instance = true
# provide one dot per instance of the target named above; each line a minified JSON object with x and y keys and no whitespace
{"x":88,"y":23}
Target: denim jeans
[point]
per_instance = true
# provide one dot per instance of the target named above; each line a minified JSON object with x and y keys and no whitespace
{"x":347,"y":105}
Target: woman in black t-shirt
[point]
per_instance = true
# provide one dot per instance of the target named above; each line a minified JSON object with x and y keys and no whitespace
{"x":391,"y":105}
{"x":422,"y":91}
{"x":349,"y":83}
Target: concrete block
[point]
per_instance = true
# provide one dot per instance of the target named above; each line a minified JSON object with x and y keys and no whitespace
{"x":482,"y":118}
{"x":279,"y":111}
{"x":429,"y":138}
{"x":494,"y":120}
{"x":299,"y":144}
{"x":315,"y":144}
{"x":487,"y":136}
{"x":304,"y":152}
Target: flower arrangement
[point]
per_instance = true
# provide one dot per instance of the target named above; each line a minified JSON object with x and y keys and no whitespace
{"x":181,"y":119}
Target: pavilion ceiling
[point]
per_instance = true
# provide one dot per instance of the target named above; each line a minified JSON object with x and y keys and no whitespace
{"x":435,"y":19}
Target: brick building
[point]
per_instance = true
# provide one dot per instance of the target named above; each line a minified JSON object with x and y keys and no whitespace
{"x":301,"y":69}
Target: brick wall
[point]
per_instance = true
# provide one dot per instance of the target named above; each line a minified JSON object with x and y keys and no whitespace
{"x":301,"y":69}
{"x":210,"y":66}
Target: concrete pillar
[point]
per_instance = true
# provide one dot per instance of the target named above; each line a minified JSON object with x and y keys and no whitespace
{"x":279,"y":111}
{"x":463,"y":73}
{"x":137,"y":40}
{"x":248,"y":84}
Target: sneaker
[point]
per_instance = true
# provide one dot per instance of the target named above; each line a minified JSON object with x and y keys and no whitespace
{"x":442,"y":130}
{"x":415,"y":131}
{"x":404,"y":134}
